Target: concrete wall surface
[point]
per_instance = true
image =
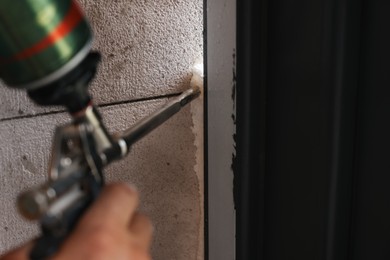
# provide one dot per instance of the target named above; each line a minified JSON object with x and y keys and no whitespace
{"x":148,"y":50}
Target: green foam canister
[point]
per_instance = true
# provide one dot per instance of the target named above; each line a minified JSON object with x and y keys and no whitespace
{"x":41,"y":41}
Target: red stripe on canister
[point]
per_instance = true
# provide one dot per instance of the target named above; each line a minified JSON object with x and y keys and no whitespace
{"x":70,"y":21}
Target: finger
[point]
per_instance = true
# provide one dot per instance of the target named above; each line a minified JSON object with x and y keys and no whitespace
{"x":141,"y":230}
{"x":21,"y":253}
{"x":115,"y":206}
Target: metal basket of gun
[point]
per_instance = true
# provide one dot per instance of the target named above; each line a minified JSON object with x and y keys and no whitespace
{"x":52,"y":60}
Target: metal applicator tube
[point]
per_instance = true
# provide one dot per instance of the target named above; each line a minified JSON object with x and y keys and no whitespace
{"x":148,"y":124}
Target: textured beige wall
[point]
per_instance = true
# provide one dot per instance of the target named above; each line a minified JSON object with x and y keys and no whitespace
{"x":148,"y":49}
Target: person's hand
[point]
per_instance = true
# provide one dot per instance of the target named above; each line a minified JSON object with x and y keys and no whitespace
{"x":111,"y":229}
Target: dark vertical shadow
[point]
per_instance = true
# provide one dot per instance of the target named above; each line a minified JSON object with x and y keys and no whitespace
{"x":249,"y":165}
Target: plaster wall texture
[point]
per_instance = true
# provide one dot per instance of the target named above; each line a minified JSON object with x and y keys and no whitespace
{"x":148,"y":50}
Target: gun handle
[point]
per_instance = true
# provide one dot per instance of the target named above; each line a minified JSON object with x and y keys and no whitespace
{"x":56,"y":230}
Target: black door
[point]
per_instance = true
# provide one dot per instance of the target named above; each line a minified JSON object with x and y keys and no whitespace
{"x":313,"y":134}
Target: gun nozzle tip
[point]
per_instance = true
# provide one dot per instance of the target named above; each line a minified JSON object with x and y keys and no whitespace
{"x":196,"y":89}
